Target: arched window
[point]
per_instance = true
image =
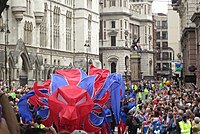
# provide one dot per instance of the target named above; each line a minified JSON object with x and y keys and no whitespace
{"x":113,"y":67}
{"x":68,"y":30}
{"x":28,"y":28}
{"x":89,"y":30}
{"x":56,"y":27}
{"x":126,"y":62}
{"x":43,"y":28}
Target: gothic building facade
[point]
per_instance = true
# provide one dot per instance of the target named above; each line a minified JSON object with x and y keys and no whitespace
{"x":40,"y":36}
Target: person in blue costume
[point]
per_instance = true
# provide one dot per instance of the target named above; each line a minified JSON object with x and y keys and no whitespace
{"x":108,"y":114}
{"x":123,"y":118}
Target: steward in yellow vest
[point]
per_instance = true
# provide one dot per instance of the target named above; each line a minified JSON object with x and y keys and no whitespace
{"x":185,"y":127}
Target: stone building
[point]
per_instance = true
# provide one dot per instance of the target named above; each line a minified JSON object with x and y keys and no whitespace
{"x":186,"y":9}
{"x":122,"y":24}
{"x":196,"y":19}
{"x":41,"y":36}
{"x":164,"y":53}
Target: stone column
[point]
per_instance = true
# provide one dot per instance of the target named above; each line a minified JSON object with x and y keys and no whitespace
{"x":135,"y":66}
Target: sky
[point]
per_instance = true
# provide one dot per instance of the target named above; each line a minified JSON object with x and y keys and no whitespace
{"x":160,"y":6}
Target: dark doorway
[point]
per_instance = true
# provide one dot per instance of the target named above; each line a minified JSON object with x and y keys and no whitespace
{"x":113,"y":67}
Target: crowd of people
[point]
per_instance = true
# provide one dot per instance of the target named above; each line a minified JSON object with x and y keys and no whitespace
{"x":147,"y":108}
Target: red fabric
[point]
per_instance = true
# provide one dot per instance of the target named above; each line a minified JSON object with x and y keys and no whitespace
{"x":69,"y":106}
{"x":104,"y":99}
{"x":73,"y":76}
{"x":88,"y":127}
{"x":105,"y":129}
{"x":102,"y":74}
{"x":121,"y":128}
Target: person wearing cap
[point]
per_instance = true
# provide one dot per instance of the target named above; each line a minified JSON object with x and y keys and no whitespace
{"x":184,"y":126}
{"x":196,"y":125}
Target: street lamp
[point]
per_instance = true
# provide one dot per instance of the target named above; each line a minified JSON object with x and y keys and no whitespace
{"x":87,"y":46}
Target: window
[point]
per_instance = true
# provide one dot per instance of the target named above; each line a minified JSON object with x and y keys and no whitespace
{"x":56,"y":27}
{"x":89,"y":29}
{"x":158,"y":45}
{"x":104,"y":3}
{"x":68,"y":30}
{"x":158,"y":24}
{"x":157,"y":35}
{"x":164,"y":35}
{"x":112,"y":3}
{"x":89,"y":4}
{"x":101,"y":30}
{"x":158,"y":67}
{"x":28,"y":28}
{"x":166,"y":67}
{"x":121,"y":24}
{"x":158,"y":57}
{"x":104,"y":25}
{"x":104,"y":29}
{"x":145,"y":33}
{"x":43,"y":29}
{"x":112,"y":24}
{"x":125,"y":3}
{"x":164,"y":24}
{"x":145,"y":9}
{"x":165,"y":56}
{"x":28,"y":7}
{"x":120,"y":3}
{"x":113,"y":40}
{"x":126,"y":24}
{"x":165,"y":44}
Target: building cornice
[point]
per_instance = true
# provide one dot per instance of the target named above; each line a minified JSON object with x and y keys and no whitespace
{"x":114,"y":48}
{"x":196,"y":18}
{"x":185,"y":31}
{"x":188,"y":29}
{"x":114,"y":13}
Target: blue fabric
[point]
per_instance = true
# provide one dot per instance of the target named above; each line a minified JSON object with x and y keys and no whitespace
{"x":96,"y":120}
{"x":106,"y":86}
{"x":132,"y":95}
{"x":83,"y":74}
{"x":88,"y":84}
{"x":131,"y":105}
{"x":57,"y":81}
{"x":43,"y":112}
{"x":116,"y":98}
{"x":145,"y":130}
{"x":108,"y":115}
{"x":122,"y":85}
{"x":23,"y":107}
{"x":123,"y":117}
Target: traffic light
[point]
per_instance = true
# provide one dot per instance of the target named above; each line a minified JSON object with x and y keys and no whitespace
{"x":2,"y":5}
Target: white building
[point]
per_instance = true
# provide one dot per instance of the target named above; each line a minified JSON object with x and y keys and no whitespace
{"x":121,"y":22}
{"x":46,"y":35}
{"x":174,"y":37}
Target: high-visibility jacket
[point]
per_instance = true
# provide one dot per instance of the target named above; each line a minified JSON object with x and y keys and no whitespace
{"x":185,"y":127}
{"x":39,"y":125}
